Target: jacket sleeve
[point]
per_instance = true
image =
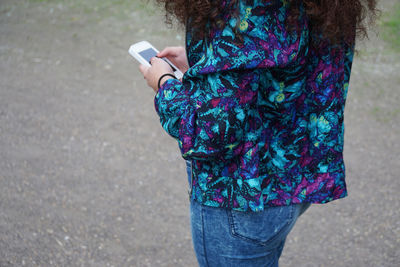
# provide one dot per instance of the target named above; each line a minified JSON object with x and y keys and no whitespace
{"x":207,"y":112}
{"x":208,"y":120}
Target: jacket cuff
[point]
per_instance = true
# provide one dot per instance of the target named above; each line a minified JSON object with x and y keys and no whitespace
{"x":166,"y":92}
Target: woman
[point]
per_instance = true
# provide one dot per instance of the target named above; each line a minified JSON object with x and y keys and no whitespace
{"x":258,"y":116}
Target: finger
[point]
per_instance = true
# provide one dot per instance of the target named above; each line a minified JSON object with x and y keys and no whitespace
{"x":152,"y":60}
{"x":165,"y":52}
{"x":156,"y":61}
{"x":168,"y":52}
{"x":143,"y":69}
{"x":162,"y":65}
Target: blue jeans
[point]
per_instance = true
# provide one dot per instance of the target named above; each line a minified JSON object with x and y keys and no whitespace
{"x":224,"y":237}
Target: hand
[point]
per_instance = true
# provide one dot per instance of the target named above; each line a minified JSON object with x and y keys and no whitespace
{"x":177,"y":55}
{"x":153,"y":73}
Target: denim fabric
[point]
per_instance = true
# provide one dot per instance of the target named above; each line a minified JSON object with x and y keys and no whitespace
{"x":225,"y":237}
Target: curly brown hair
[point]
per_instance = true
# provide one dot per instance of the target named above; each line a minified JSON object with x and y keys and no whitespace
{"x":334,"y":20}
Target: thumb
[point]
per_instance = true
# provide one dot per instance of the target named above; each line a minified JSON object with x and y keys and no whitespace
{"x":167,"y":52}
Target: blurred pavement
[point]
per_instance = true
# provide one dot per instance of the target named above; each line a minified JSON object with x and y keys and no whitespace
{"x":89,"y":178}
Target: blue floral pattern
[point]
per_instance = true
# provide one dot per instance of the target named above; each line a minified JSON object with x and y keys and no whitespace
{"x":260,"y":111}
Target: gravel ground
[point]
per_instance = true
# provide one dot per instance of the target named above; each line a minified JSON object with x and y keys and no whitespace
{"x":88,"y":177}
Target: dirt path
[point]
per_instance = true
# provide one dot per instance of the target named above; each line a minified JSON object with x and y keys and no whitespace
{"x":88,"y":177}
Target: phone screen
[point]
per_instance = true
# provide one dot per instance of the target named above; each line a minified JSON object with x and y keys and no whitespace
{"x":149,"y":53}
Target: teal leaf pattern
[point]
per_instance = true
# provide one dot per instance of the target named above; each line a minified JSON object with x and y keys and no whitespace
{"x":260,"y":111}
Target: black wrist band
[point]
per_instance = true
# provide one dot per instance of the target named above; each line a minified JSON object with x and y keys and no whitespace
{"x":164,"y":75}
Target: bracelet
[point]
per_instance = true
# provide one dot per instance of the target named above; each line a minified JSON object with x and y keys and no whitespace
{"x":164,"y":75}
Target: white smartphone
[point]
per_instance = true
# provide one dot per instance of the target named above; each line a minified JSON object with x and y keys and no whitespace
{"x":143,"y":51}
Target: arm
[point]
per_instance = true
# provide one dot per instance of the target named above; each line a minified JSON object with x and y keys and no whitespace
{"x":207,"y":112}
{"x":211,"y":122}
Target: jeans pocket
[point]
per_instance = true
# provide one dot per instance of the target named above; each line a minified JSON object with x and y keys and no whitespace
{"x":189,"y":171}
{"x":267,"y":228}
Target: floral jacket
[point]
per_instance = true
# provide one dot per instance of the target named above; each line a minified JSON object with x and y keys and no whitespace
{"x":260,"y":111}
